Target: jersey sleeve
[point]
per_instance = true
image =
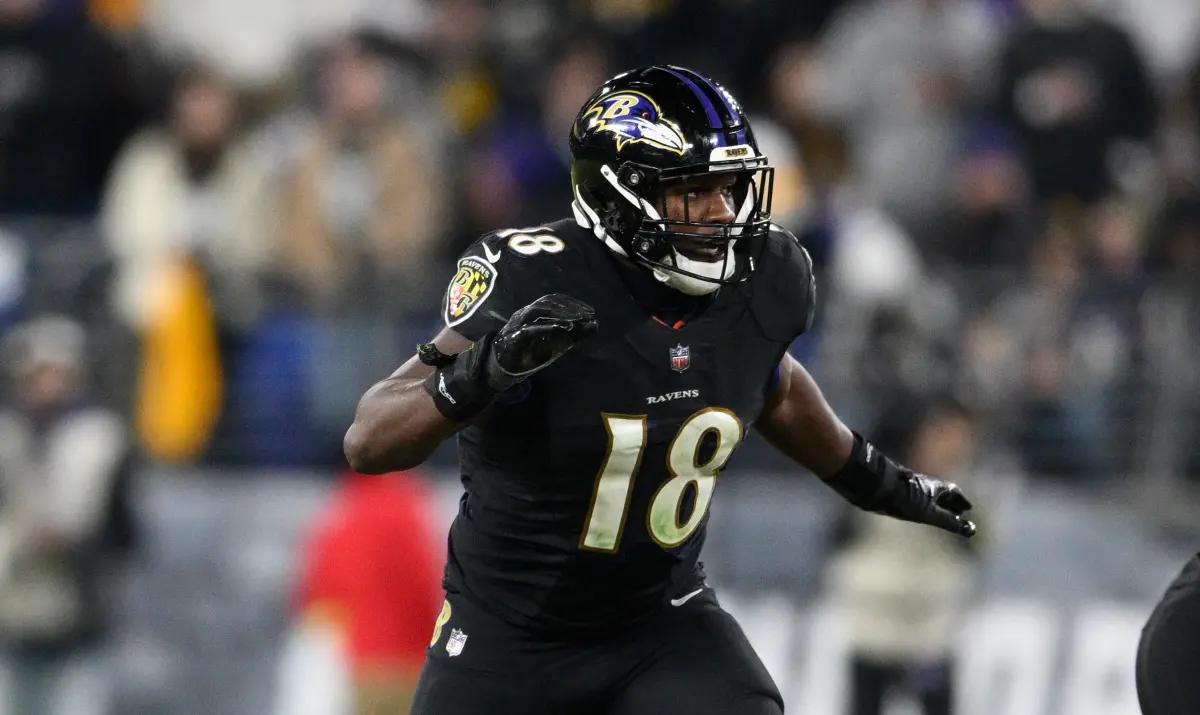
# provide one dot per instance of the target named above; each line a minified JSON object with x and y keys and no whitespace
{"x":805,"y":305}
{"x":785,"y":299}
{"x":479,"y":298}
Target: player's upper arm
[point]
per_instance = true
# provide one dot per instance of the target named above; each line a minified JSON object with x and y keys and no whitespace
{"x":779,"y":389}
{"x":799,"y":422}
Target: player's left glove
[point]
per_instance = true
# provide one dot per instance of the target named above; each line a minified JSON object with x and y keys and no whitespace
{"x":534,"y":336}
{"x":871,"y":481}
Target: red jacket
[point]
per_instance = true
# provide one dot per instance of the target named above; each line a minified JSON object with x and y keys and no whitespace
{"x":373,"y":564}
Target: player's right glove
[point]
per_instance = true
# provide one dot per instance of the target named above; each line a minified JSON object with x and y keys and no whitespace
{"x":871,"y":481}
{"x":533,"y":337}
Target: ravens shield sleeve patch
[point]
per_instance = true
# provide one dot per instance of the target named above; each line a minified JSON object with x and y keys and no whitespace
{"x":472,"y":284}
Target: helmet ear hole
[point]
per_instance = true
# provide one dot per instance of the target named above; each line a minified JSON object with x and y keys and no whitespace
{"x":615,"y":223}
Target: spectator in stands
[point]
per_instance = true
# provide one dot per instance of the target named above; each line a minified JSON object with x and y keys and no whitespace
{"x":63,"y":463}
{"x":519,"y":171}
{"x":360,"y":208}
{"x":1052,"y":359}
{"x":360,"y":221}
{"x":368,"y":598}
{"x":67,"y":102}
{"x":643,"y":33}
{"x":1075,"y":88}
{"x":189,"y":191}
{"x":904,"y":590}
{"x":1171,"y":335}
{"x":901,"y":76}
{"x":988,"y":218}
{"x":895,"y":319}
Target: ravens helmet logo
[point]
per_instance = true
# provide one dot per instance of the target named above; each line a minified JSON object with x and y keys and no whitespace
{"x":635,"y":118}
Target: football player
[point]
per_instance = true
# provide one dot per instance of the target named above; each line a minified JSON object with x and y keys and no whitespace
{"x":1168,"y":656}
{"x":600,"y":371}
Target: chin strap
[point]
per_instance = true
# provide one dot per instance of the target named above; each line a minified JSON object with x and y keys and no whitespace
{"x":692,"y":285}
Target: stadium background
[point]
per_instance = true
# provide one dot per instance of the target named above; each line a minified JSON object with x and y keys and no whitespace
{"x":242,"y":214}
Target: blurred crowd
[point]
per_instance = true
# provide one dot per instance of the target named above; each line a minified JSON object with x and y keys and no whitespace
{"x":220,"y":221}
{"x":251,"y":211}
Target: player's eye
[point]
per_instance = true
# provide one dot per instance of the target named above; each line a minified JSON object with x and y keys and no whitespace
{"x":696,"y":194}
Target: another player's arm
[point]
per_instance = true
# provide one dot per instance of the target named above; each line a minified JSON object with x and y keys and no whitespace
{"x":397,"y":425}
{"x":799,"y":422}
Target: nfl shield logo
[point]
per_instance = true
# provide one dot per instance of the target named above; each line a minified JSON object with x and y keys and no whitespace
{"x":457,"y":640}
{"x":681,"y":357}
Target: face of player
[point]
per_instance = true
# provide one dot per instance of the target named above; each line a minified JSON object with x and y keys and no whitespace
{"x":707,"y":200}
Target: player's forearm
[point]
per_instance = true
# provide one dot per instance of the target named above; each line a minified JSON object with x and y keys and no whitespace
{"x":799,"y":422}
{"x":802,"y":425}
{"x":396,"y":427}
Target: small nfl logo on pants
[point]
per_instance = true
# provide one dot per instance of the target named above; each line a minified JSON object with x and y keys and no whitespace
{"x":457,"y":641}
{"x":680,"y":358}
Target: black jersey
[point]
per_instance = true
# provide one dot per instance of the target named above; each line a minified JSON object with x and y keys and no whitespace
{"x":1168,"y":655}
{"x":588,"y":486}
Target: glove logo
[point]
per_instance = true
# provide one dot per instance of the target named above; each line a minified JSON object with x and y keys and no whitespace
{"x":469,"y":288}
{"x":442,"y":388}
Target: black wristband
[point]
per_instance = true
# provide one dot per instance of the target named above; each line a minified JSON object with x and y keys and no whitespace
{"x":429,"y":354}
{"x":459,"y":386}
{"x":867,"y":478}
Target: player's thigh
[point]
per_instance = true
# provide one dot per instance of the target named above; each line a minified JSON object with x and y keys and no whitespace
{"x":702,"y":665}
{"x":1168,"y":660}
{"x":477,"y":664}
{"x":445,"y":689}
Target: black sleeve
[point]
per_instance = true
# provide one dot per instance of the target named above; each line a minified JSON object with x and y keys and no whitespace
{"x":785,"y":289}
{"x":806,"y":288}
{"x":478,"y":300}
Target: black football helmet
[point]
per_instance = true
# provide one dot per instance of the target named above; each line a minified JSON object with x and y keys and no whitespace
{"x":652,"y":127}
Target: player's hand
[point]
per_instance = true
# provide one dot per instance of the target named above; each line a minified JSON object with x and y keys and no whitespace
{"x":536,"y":336}
{"x":926,"y":500}
{"x":871,"y":481}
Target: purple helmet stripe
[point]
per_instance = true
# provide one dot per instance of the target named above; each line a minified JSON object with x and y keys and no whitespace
{"x":714,"y":120}
{"x":716,"y":91}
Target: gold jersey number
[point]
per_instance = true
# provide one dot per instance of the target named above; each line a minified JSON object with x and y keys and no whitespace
{"x":605,"y":520}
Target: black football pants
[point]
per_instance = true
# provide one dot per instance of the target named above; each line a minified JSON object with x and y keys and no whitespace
{"x":1168,"y":658}
{"x":689,"y":660}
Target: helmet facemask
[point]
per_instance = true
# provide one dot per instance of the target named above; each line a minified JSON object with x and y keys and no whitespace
{"x":703,"y":252}
{"x":654,"y":217}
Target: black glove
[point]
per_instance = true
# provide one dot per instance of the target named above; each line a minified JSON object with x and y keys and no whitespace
{"x":871,"y":481}
{"x":536,"y":336}
{"x":533,"y":337}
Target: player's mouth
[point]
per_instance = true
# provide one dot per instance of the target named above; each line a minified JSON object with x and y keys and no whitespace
{"x":698,"y":249}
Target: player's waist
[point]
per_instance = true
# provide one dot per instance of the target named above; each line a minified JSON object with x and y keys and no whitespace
{"x":563,"y":592}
